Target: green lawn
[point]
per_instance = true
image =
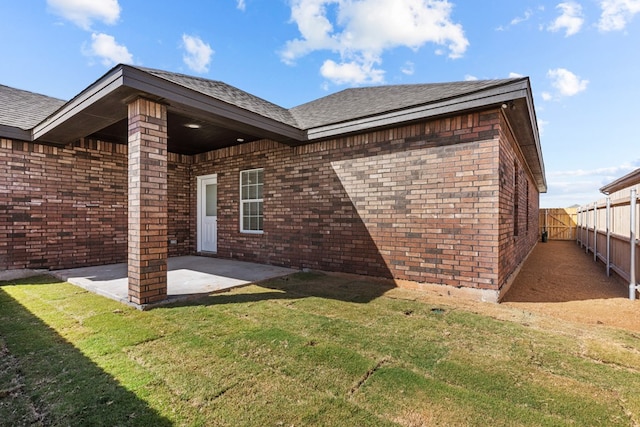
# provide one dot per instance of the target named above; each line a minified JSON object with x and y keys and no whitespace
{"x":310,"y":350}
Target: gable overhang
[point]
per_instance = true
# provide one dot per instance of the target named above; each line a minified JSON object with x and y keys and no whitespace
{"x":516,"y":96}
{"x":104,"y":103}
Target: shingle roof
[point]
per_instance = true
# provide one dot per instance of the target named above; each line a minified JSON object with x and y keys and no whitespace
{"x":226,"y":93}
{"x":346,"y":105}
{"x":23,"y":109}
{"x":356,"y":103}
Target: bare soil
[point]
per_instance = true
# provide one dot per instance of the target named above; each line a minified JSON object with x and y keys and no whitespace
{"x":560,"y":279}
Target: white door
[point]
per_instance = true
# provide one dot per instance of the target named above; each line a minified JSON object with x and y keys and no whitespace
{"x":208,"y":213}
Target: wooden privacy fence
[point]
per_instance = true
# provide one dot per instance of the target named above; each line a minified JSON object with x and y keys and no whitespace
{"x":608,"y":229}
{"x":559,"y":223}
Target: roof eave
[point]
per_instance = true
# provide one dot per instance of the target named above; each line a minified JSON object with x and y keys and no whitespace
{"x":626,"y":181}
{"x":107,"y":84}
{"x":12,"y":132}
{"x":184,"y":98}
{"x":125,"y":82}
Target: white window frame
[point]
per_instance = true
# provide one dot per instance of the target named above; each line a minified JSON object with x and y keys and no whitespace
{"x":244,"y":201}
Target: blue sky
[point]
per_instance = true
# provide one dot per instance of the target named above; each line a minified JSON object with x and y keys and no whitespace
{"x":583,"y":58}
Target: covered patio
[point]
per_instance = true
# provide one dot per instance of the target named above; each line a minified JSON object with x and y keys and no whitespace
{"x":156,"y":114}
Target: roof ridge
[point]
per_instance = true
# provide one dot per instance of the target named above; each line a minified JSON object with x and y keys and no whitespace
{"x":255,"y":103}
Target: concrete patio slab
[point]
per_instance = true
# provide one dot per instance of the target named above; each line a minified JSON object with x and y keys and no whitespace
{"x":187,"y":277}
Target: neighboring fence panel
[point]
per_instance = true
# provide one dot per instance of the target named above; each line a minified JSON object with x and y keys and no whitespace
{"x":560,"y":223}
{"x":608,"y":229}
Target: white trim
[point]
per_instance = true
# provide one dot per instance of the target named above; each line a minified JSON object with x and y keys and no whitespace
{"x":242,"y":201}
{"x":200,"y":179}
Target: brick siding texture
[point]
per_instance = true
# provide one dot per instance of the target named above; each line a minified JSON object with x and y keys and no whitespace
{"x":62,"y":207}
{"x":418,"y":202}
{"x":516,"y":237}
{"x":427,"y":202}
{"x":147,"y":199}
{"x":67,"y":207}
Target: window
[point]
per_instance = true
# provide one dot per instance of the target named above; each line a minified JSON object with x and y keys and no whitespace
{"x":251,"y":218}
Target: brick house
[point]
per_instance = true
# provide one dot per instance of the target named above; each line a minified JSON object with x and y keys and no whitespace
{"x":435,"y":185}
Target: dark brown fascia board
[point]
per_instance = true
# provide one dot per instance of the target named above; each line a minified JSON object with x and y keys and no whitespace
{"x":12,"y":132}
{"x":173,"y":93}
{"x":626,"y":181}
{"x":101,"y":88}
{"x":157,"y":88}
{"x":536,"y":136}
{"x":493,"y":96}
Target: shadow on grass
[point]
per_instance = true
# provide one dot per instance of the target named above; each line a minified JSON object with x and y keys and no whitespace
{"x":302,"y":285}
{"x":45,"y":380}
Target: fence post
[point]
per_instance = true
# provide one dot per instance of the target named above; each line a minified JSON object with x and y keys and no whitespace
{"x":587,"y":229}
{"x":608,"y":220}
{"x":595,"y":232}
{"x":632,"y":241}
{"x":578,"y":226}
{"x":579,"y":232}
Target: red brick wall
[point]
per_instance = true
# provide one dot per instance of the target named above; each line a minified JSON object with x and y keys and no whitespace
{"x":429,"y":202}
{"x":67,"y":207}
{"x":179,"y":205}
{"x":514,"y":247}
{"x":415,"y":203}
{"x":62,"y":207}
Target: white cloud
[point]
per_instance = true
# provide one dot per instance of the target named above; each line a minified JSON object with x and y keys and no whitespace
{"x":470,"y":78}
{"x":408,"y":68}
{"x":240,"y":4}
{"x":581,"y":186}
{"x":198,"y":53}
{"x":570,"y":19}
{"x":517,"y":20}
{"x":360,"y":31}
{"x":609,"y":173}
{"x":513,"y":75}
{"x":616,"y":14}
{"x":351,"y":72}
{"x":108,"y":50}
{"x":567,"y":83}
{"x":84,"y":12}
{"x":542,"y":125}
{"x":546,"y":96}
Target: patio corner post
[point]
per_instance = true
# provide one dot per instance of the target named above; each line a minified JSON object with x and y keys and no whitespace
{"x":147,"y":243}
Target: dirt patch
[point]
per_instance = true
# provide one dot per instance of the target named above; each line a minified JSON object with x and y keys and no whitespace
{"x":561,"y":280}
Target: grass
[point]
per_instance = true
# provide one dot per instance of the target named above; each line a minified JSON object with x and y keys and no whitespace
{"x":309,"y":350}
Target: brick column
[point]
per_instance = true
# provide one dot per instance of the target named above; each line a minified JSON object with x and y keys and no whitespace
{"x":147,"y":244}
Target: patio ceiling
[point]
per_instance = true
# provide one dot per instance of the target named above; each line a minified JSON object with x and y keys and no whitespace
{"x":187,"y":135}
